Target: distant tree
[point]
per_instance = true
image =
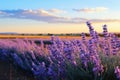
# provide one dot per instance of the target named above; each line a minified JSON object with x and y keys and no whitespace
{"x":87,"y":34}
{"x":40,"y":34}
{"x":101,"y":35}
{"x":49,"y":34}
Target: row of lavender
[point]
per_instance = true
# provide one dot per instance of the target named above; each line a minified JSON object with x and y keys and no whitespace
{"x":96,"y":58}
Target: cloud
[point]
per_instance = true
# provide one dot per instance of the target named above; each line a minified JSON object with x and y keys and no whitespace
{"x":46,"y":16}
{"x":91,"y":10}
{"x":39,"y":15}
{"x":56,"y":11}
{"x":1,"y":12}
{"x":104,"y":20}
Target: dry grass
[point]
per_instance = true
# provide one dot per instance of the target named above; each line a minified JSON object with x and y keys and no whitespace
{"x":36,"y":37}
{"x":21,"y":36}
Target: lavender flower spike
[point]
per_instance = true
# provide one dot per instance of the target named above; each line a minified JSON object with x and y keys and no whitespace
{"x":117,"y":72}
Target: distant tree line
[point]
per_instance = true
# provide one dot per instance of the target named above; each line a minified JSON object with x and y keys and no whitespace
{"x":62,"y":34}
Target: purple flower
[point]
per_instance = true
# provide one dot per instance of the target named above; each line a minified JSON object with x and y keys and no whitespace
{"x":105,"y":32}
{"x":39,"y":71}
{"x":98,"y":70}
{"x":83,"y":37}
{"x":91,"y":29}
{"x":114,"y":42}
{"x":117,"y":72}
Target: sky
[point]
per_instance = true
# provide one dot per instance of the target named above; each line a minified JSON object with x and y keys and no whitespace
{"x":58,"y":16}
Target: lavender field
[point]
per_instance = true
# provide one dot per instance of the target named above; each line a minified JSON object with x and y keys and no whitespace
{"x":96,"y":58}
